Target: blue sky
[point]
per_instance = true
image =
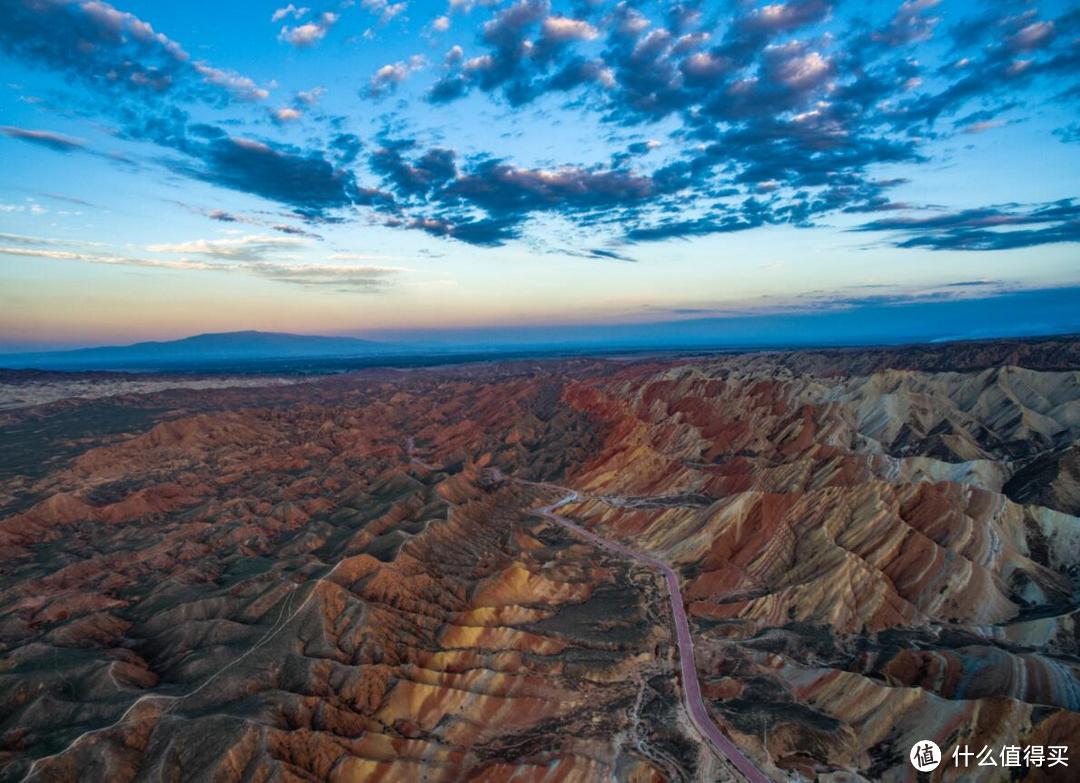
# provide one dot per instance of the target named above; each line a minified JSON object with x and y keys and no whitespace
{"x":382,"y":168}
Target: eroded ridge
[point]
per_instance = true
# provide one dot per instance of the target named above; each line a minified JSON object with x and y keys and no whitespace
{"x":691,"y":687}
{"x":342,"y":579}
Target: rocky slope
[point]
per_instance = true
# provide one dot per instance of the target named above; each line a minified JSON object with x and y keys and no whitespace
{"x":342,"y":579}
{"x":861,"y":551}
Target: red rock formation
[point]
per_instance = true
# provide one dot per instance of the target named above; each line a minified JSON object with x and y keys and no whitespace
{"x":267,"y":583}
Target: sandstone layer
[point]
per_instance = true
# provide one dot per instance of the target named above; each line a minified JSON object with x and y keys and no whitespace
{"x":343,"y":579}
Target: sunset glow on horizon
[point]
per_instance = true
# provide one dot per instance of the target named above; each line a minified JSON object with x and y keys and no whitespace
{"x":382,"y":170}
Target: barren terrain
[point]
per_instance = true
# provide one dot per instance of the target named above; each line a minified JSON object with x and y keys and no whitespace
{"x":461,"y":573}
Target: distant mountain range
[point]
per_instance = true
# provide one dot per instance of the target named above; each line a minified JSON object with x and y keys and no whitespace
{"x":216,"y":349}
{"x":1030,"y":313}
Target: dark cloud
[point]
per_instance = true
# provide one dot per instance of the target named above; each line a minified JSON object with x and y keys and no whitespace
{"x":974,"y":30}
{"x":989,"y":228}
{"x":578,"y":72}
{"x":54,"y":141}
{"x":596,"y":254}
{"x":767,"y":157}
{"x":683,"y":17}
{"x":346,"y":147}
{"x":505,"y":34}
{"x":68,"y":199}
{"x":768,"y":118}
{"x":449,"y":88}
{"x":913,"y":22}
{"x":145,"y":77}
{"x":507,"y":61}
{"x":1008,"y":53}
{"x":778,"y":107}
{"x":528,"y":51}
{"x":284,"y":228}
{"x":434,"y":168}
{"x":224,"y":216}
{"x":58,"y":142}
{"x":642,"y":147}
{"x":948,"y":292}
{"x":489,"y":232}
{"x":751,"y":216}
{"x":304,"y":180}
{"x":751,"y":31}
{"x":487,"y":201}
{"x":973,"y":283}
{"x":114,"y":51}
{"x":501,"y":187}
{"x":739,"y":92}
{"x":1070,"y":134}
{"x":608,"y":255}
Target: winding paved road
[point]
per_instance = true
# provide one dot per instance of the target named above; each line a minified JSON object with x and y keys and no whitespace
{"x":695,"y":705}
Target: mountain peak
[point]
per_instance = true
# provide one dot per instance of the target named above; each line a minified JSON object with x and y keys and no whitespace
{"x":208,"y":347}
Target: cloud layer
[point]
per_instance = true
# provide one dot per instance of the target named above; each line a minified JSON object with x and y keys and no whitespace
{"x":252,"y":255}
{"x":774,"y":113}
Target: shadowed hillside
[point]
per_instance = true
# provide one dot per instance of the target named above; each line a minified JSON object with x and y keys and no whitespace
{"x":342,"y":579}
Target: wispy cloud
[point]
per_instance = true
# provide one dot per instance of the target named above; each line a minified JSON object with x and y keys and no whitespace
{"x":345,"y":277}
{"x":23,"y":239}
{"x":842,"y":298}
{"x":1003,"y":227}
{"x":106,"y":259}
{"x":383,"y":9}
{"x":354,"y":277}
{"x":54,"y":141}
{"x":30,"y":207}
{"x":250,"y":248}
{"x":289,"y":10}
{"x":274,"y":223}
{"x":351,"y":256}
